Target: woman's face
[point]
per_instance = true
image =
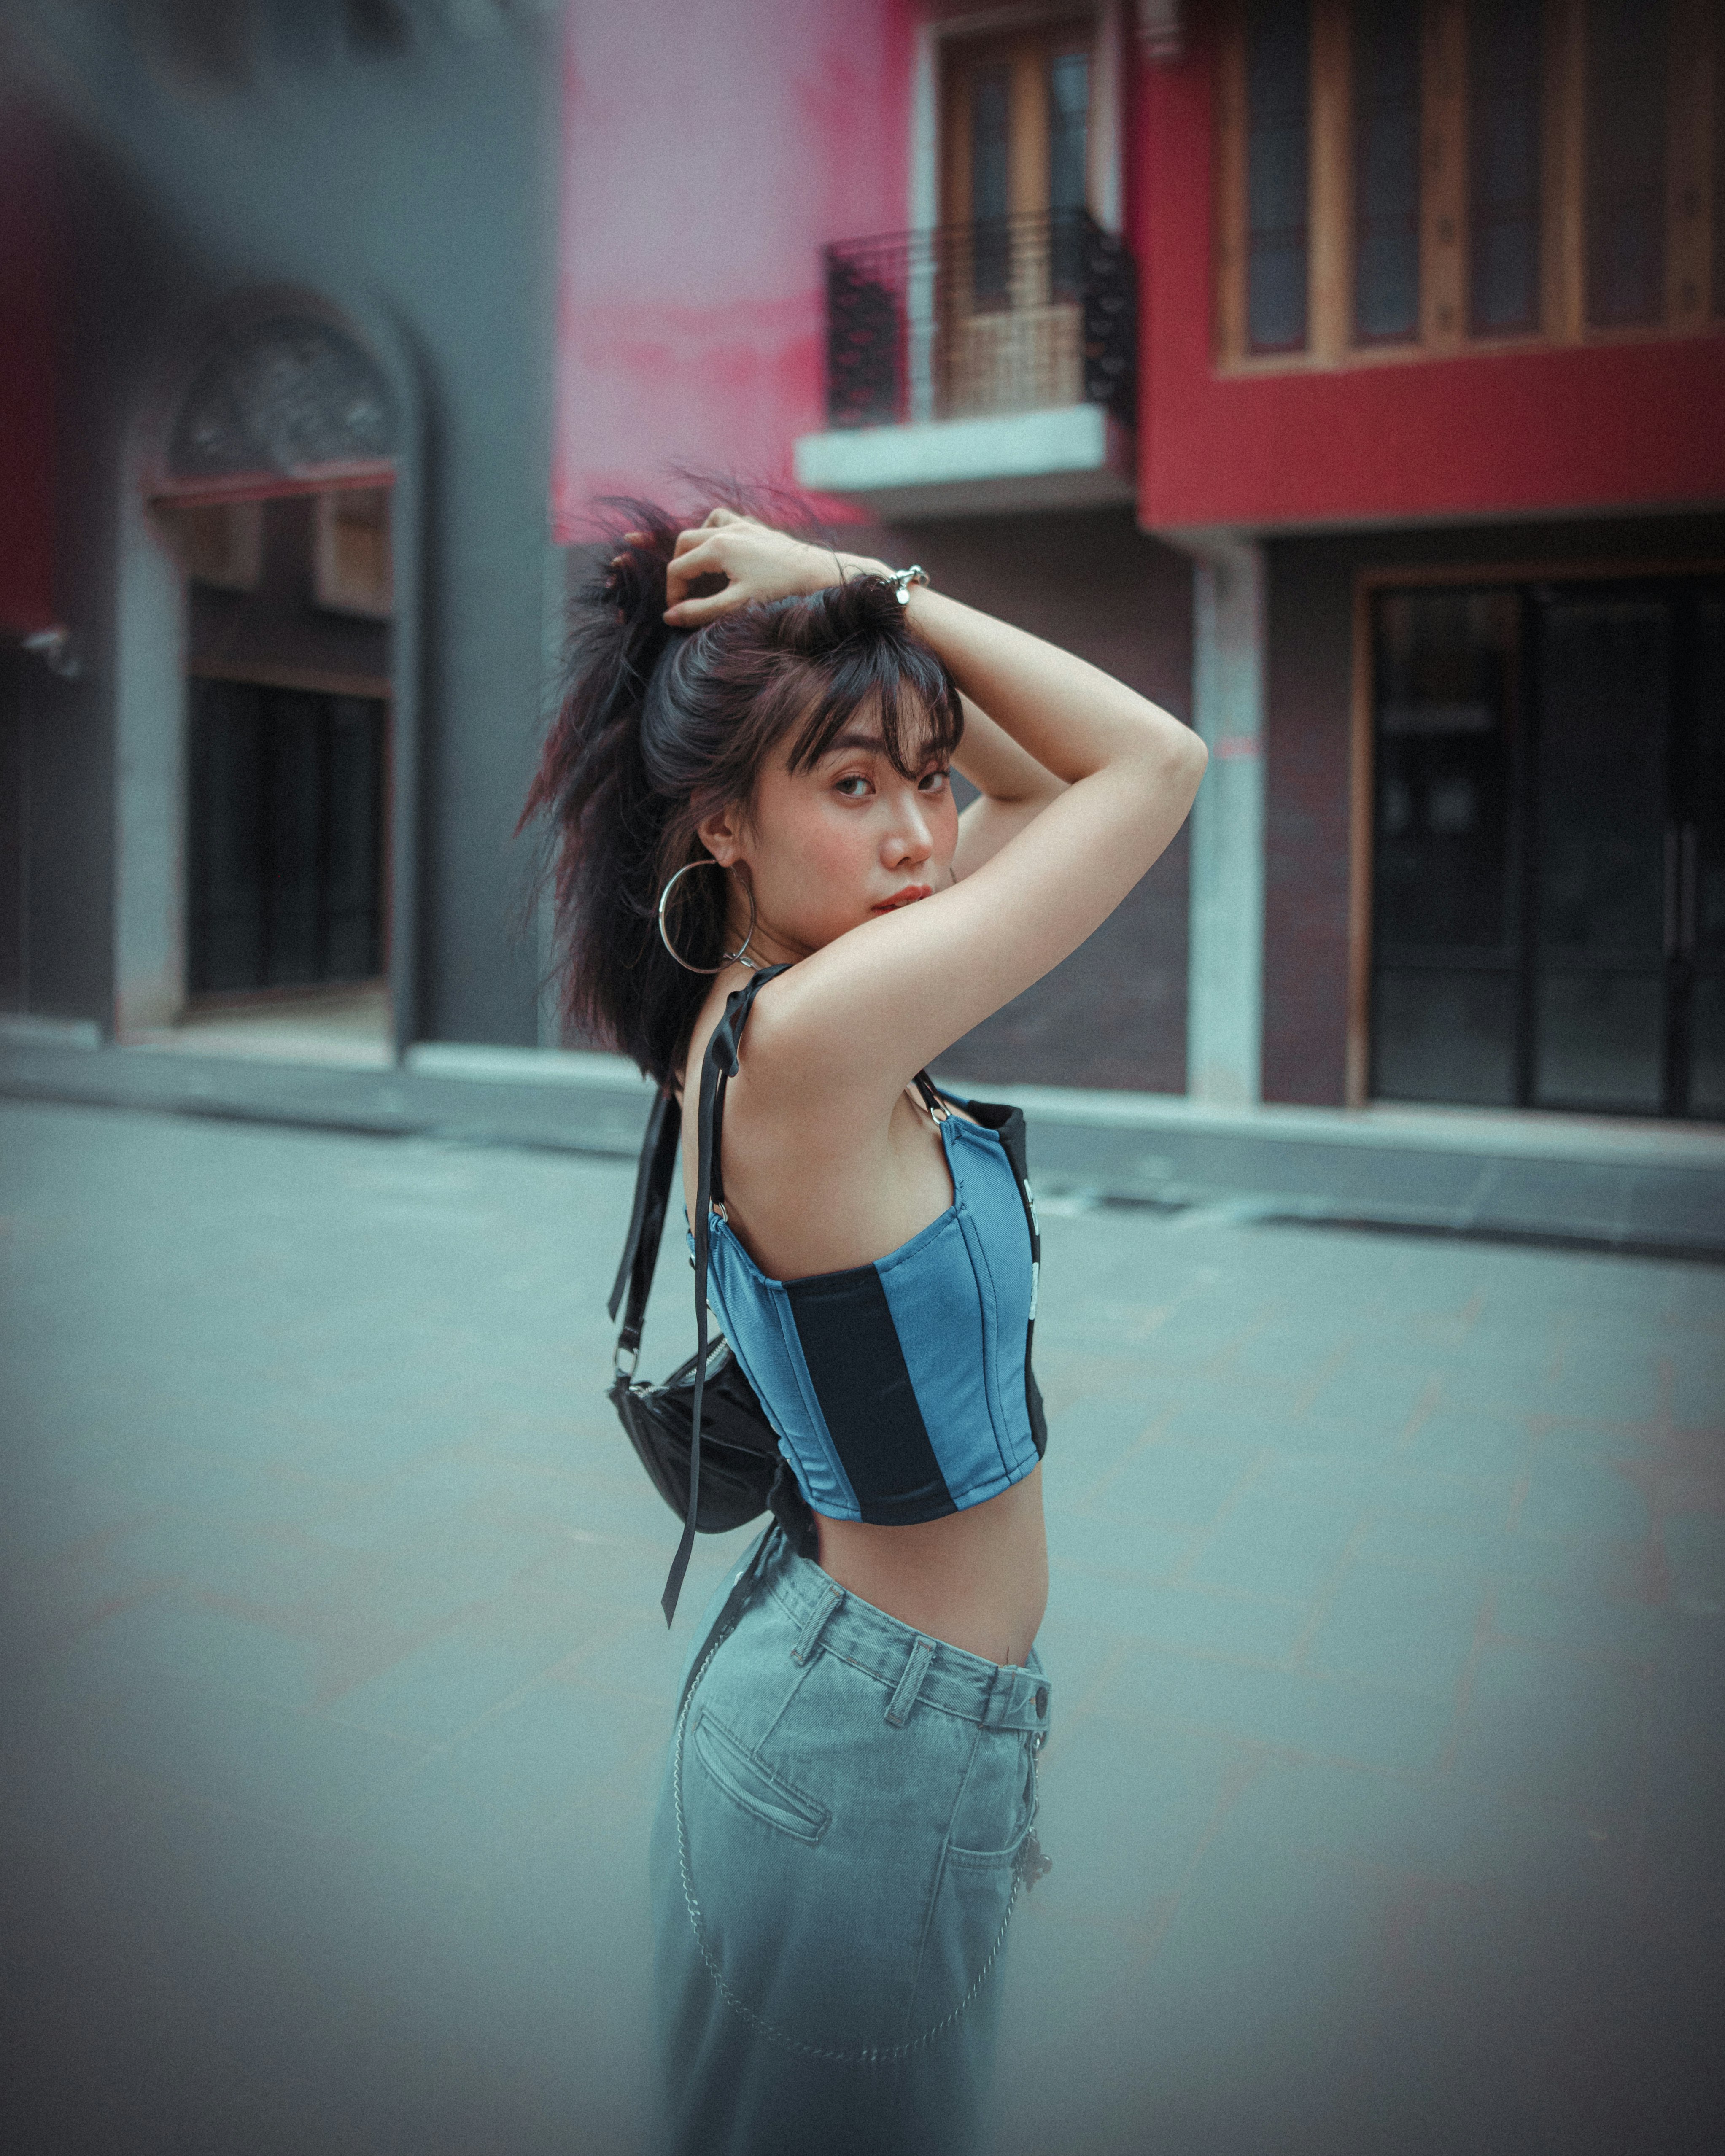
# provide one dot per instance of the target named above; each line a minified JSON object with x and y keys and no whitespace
{"x":841,"y":843}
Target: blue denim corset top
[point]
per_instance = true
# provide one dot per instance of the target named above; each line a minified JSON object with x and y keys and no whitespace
{"x":902,"y":1390}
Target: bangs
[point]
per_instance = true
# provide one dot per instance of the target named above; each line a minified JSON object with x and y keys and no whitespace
{"x":901,"y":681}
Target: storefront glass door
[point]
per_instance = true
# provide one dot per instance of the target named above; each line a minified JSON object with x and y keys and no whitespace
{"x":286,"y":854}
{"x":1549,"y":860}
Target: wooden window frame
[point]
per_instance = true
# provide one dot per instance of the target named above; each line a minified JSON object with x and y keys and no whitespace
{"x":1051,"y":30}
{"x":1696,"y":111}
{"x":219,"y":544}
{"x":342,"y":581}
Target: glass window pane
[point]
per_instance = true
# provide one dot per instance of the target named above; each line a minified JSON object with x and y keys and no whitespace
{"x":989,"y":109}
{"x":1605,"y":690}
{"x":1386,"y":107}
{"x":353,"y":881}
{"x":225,"y":840}
{"x":14,"y":829}
{"x":1068,"y":131}
{"x":1275,"y":318}
{"x":1706,"y":1047}
{"x":1601,"y":1041}
{"x":1704,"y":792}
{"x":1443,"y":1036}
{"x":1068,"y":170}
{"x":294,"y":807}
{"x":1445,"y":762}
{"x":1504,"y":159}
{"x":1278,"y":155}
{"x":1626,"y":63}
{"x":1505,"y":267}
{"x":1600,"y":1014}
{"x":1702,"y":928}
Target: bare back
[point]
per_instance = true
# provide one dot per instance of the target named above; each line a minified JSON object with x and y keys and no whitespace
{"x":809,"y":1194}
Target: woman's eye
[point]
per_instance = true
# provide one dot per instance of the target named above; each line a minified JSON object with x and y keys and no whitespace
{"x":933,"y":781}
{"x":858,"y":781}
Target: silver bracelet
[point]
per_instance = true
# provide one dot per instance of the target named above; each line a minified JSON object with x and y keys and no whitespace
{"x":902,"y":581}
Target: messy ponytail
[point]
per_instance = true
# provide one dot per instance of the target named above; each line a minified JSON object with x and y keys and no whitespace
{"x":660,"y":728}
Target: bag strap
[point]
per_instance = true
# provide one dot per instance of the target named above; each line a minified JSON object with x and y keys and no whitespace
{"x":646,"y":1224}
{"x":937,"y":1109}
{"x":718,"y":1068}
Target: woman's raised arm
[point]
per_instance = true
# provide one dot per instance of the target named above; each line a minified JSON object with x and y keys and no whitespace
{"x":869,"y":1008}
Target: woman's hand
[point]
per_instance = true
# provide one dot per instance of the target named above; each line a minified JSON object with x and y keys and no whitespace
{"x":758,"y":563}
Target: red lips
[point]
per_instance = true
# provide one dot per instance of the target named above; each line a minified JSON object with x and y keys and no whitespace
{"x":908,"y":895}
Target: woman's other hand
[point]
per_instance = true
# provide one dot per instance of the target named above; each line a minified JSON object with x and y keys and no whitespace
{"x":757,"y":562}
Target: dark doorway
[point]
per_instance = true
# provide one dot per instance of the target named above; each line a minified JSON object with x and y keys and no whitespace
{"x":286,"y":837}
{"x":15,"y":836}
{"x":1549,"y":859}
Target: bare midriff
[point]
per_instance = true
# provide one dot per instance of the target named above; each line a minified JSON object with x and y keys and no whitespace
{"x":977,"y":1578}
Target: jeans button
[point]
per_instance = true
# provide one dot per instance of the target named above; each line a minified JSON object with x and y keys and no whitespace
{"x":1042,"y":1699}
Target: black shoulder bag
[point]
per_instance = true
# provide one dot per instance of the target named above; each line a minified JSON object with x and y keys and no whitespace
{"x":702,"y":1436}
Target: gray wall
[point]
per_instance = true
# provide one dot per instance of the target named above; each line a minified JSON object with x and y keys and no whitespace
{"x":1113,"y":1014}
{"x":414,"y":189}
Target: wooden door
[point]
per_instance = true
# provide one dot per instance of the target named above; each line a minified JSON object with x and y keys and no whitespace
{"x":1015,"y":188}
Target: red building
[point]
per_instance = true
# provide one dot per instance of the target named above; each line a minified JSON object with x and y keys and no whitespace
{"x":1348,"y":377}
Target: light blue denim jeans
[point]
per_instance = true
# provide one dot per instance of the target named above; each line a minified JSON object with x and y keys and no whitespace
{"x":843,"y":1828}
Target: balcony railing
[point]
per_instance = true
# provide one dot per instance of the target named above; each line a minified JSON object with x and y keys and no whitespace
{"x":1014,"y":315}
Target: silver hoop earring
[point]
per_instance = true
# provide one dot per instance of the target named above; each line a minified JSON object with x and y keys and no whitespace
{"x":738,"y":957}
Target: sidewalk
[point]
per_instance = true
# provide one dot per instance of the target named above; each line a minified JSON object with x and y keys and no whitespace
{"x":1588,"y":1182}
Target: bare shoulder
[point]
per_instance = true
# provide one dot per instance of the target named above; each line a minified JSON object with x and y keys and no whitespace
{"x":782,"y":1110}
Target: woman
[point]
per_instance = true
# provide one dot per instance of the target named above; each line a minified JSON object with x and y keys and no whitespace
{"x":754,"y":759}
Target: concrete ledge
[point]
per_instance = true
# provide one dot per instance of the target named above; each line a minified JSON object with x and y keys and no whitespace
{"x":1530,"y":1133}
{"x":19,"y":1030}
{"x":1582,"y":1183}
{"x":1068,"y":456}
{"x":527,"y":1066}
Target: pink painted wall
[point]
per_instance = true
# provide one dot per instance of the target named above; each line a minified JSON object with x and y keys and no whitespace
{"x":709,"y":152}
{"x":1506,"y":433}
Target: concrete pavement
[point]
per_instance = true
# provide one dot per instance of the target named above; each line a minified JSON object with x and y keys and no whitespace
{"x":1387,"y":1633}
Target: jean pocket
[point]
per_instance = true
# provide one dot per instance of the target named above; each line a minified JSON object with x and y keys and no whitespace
{"x":743,"y":1779}
{"x":997,"y":1808}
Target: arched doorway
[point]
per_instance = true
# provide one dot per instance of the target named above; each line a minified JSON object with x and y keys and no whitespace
{"x":274,"y":489}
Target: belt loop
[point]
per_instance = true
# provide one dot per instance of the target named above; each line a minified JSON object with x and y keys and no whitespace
{"x":909,"y":1684}
{"x":829,"y":1602}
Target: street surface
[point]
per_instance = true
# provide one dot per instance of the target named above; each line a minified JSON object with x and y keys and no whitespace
{"x":1388,"y":1642}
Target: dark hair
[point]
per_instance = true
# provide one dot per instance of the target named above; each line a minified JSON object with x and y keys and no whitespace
{"x":659,"y":728}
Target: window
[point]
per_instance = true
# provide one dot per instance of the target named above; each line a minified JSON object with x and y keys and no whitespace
{"x":285,"y":838}
{"x":1627,"y":42}
{"x":1504,"y":56}
{"x":1386,"y":170}
{"x":1397,"y":174}
{"x":1278,"y":157}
